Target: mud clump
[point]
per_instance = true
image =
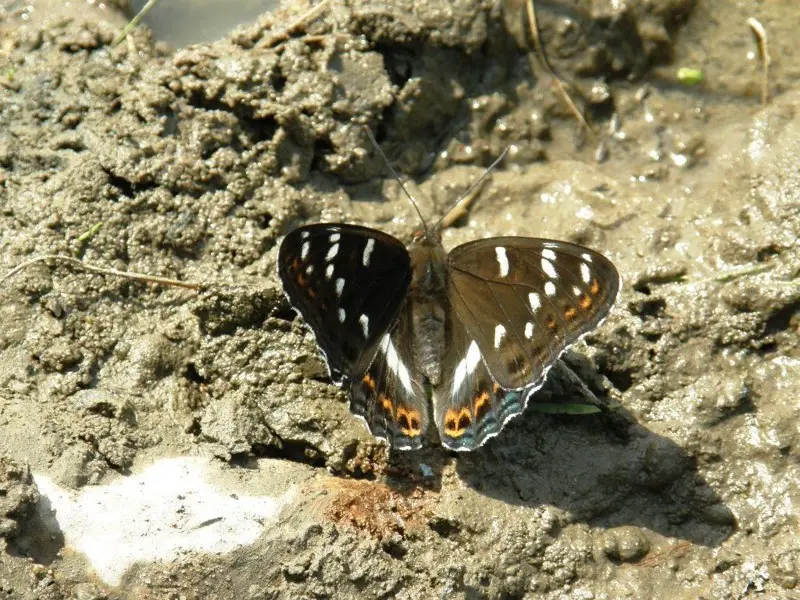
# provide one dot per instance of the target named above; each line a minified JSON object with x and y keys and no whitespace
{"x":18,"y":496}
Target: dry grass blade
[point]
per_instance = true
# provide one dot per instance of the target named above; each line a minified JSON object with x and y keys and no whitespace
{"x":562,"y":90}
{"x":101,"y":271}
{"x":461,"y":206}
{"x":763,"y":51}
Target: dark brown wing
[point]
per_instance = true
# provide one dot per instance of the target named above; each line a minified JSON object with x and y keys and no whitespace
{"x":390,"y":396}
{"x":349,"y":284}
{"x":525,"y":300}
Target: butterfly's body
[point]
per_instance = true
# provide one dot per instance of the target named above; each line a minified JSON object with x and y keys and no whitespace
{"x":427,"y":299}
{"x":480,"y":325}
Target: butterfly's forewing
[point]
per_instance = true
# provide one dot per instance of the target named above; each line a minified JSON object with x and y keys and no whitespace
{"x":524,"y":300}
{"x":390,"y":396}
{"x":349,"y":284}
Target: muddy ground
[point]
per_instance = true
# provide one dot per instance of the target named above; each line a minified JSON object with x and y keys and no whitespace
{"x":192,"y":164}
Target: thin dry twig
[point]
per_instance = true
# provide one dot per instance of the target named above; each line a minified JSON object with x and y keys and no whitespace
{"x":763,"y":51}
{"x":101,"y":271}
{"x":737,"y":273}
{"x":562,"y":90}
{"x":134,"y":22}
{"x":283,"y":35}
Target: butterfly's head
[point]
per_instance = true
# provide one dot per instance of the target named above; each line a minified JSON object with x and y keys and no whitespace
{"x":427,"y":237}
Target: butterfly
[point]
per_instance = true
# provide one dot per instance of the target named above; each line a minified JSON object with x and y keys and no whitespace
{"x":478,"y":328}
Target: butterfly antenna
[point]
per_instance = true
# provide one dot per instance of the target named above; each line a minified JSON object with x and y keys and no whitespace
{"x":470,"y":189}
{"x":396,"y":176}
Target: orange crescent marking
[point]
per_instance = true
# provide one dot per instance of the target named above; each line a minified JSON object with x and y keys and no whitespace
{"x":387,"y":404}
{"x":586,"y":302}
{"x":570,"y":313}
{"x":408,"y":419}
{"x":595,"y":289}
{"x":454,"y":421}
{"x":481,"y":403}
{"x":370,"y":381}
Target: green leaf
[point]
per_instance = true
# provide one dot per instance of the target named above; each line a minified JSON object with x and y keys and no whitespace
{"x":554,"y":408}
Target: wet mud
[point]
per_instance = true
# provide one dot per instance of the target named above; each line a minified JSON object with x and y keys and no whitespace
{"x":192,"y":164}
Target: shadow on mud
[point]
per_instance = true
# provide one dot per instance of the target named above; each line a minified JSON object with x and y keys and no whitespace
{"x":604,"y":468}
{"x":40,"y":537}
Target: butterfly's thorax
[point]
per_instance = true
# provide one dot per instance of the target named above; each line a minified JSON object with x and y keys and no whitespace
{"x":428,"y":299}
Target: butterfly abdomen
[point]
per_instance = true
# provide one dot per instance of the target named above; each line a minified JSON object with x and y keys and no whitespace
{"x":429,"y":324}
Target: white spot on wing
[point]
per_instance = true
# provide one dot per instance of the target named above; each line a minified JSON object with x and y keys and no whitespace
{"x":329,"y":272}
{"x":304,"y":250}
{"x":502,"y":260}
{"x":394,"y":363}
{"x":332,"y":252}
{"x":309,"y":269}
{"x":528,"y":330}
{"x":466,"y":366}
{"x":586,"y":274}
{"x":535,"y":300}
{"x":587,"y":257}
{"x":342,"y":315}
{"x":367,"y":252}
{"x":339,"y":286}
{"x":549,"y":254}
{"x":304,"y":235}
{"x":473,"y":356}
{"x":335,"y":237}
{"x":364,"y":320}
{"x":549,"y":269}
{"x":576,"y":290}
{"x":550,"y":288}
{"x":499,"y":332}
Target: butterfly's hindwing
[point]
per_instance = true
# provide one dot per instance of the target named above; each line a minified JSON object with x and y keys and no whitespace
{"x":470,"y":407}
{"x":349,"y":284}
{"x":390,"y":396}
